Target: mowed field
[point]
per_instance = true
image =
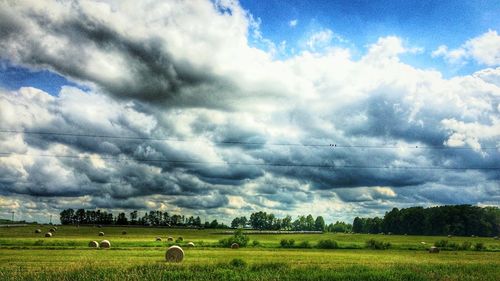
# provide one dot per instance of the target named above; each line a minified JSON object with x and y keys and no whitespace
{"x":25,"y":255}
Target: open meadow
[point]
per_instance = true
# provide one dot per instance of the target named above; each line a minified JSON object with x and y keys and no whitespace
{"x":25,"y":255}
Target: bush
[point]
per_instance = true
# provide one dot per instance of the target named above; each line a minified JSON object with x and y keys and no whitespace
{"x":239,"y":238}
{"x":479,"y":246}
{"x":287,"y":243}
{"x":466,"y":245}
{"x":255,"y":243}
{"x":327,"y":244}
{"x":441,"y":243}
{"x":377,"y":245}
{"x":238,"y":263}
{"x":304,"y":245}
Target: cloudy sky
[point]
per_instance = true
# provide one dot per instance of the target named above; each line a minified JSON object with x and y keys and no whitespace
{"x":222,"y":108}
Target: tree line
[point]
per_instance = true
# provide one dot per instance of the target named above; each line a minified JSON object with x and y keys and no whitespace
{"x":151,"y":218}
{"x":460,"y":220}
{"x":268,"y":221}
{"x":257,"y":220}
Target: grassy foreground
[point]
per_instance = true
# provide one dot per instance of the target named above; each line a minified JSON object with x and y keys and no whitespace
{"x":136,"y":256}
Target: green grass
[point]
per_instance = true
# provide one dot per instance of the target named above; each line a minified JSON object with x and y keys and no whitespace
{"x":25,"y":255}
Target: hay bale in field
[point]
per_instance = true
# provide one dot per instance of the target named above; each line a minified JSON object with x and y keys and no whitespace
{"x":105,"y":244}
{"x":55,"y":227}
{"x":170,"y":239}
{"x":124,"y":232}
{"x":101,"y":233}
{"x":100,"y":226}
{"x":235,"y":246}
{"x":52,"y":230}
{"x":158,"y":239}
{"x":180,"y":238}
{"x":433,"y":250}
{"x":174,"y":254}
{"x":449,"y":236}
{"x":48,"y":234}
{"x":190,"y":244}
{"x":496,"y":237}
{"x":93,"y":244}
{"x":38,"y":231}
{"x":423,"y":243}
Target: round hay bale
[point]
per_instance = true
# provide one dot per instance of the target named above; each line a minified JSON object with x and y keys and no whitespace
{"x":423,"y":243}
{"x":235,"y":246}
{"x":449,"y":236}
{"x":38,"y":231}
{"x":105,"y":244}
{"x":190,"y":244}
{"x":158,"y":239}
{"x":433,"y":250}
{"x":170,"y":239}
{"x":101,"y":233}
{"x":48,"y":234}
{"x":52,"y":230}
{"x":496,"y":237}
{"x":100,"y":226}
{"x":174,"y":254}
{"x":93,"y":244}
{"x":124,"y":232}
{"x":180,"y":238}
{"x":55,"y":227}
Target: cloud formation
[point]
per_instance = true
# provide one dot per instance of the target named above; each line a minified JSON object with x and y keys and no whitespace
{"x":202,"y":118}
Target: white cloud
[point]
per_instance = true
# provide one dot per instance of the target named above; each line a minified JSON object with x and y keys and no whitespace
{"x":215,"y":88}
{"x":484,"y":49}
{"x":293,"y":23}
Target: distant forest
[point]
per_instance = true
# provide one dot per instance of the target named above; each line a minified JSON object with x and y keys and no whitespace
{"x":460,"y":220}
{"x":463,"y":220}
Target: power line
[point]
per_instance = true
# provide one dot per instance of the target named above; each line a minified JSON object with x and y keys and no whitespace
{"x":196,"y":162}
{"x":332,"y":145}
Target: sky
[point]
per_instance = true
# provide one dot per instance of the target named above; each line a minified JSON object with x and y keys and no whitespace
{"x":222,"y":108}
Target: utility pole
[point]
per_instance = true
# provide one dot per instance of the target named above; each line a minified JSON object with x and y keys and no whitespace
{"x":13,"y":216}
{"x":50,"y":219}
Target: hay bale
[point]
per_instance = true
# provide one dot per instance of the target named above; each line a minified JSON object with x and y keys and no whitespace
{"x":48,"y":234}
{"x":100,"y":226}
{"x":433,"y":250}
{"x":101,"y":233}
{"x":423,"y":243}
{"x":180,"y":238}
{"x":190,"y":244}
{"x":52,"y":230}
{"x":105,"y":244}
{"x":449,"y":236}
{"x":93,"y":244}
{"x":38,"y":231}
{"x":235,"y":246}
{"x":55,"y":227}
{"x":170,"y":239}
{"x":174,"y":254}
{"x":124,"y":232}
{"x":158,"y":239}
{"x":496,"y":237}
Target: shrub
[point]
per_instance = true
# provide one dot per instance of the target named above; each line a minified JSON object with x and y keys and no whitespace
{"x":238,"y":263}
{"x":377,"y":245}
{"x":479,"y":246}
{"x":327,"y":244}
{"x":441,"y":243}
{"x":287,"y":243}
{"x":255,"y":243}
{"x":304,"y":245}
{"x":466,"y":245}
{"x":239,"y":238}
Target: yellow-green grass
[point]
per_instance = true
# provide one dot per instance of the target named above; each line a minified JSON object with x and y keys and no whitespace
{"x":25,"y":255}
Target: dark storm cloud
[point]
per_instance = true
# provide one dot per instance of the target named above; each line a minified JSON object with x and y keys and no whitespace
{"x":202,"y":202}
{"x":149,"y":73}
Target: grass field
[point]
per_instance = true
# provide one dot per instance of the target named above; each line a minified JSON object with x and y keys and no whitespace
{"x":25,"y":255}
